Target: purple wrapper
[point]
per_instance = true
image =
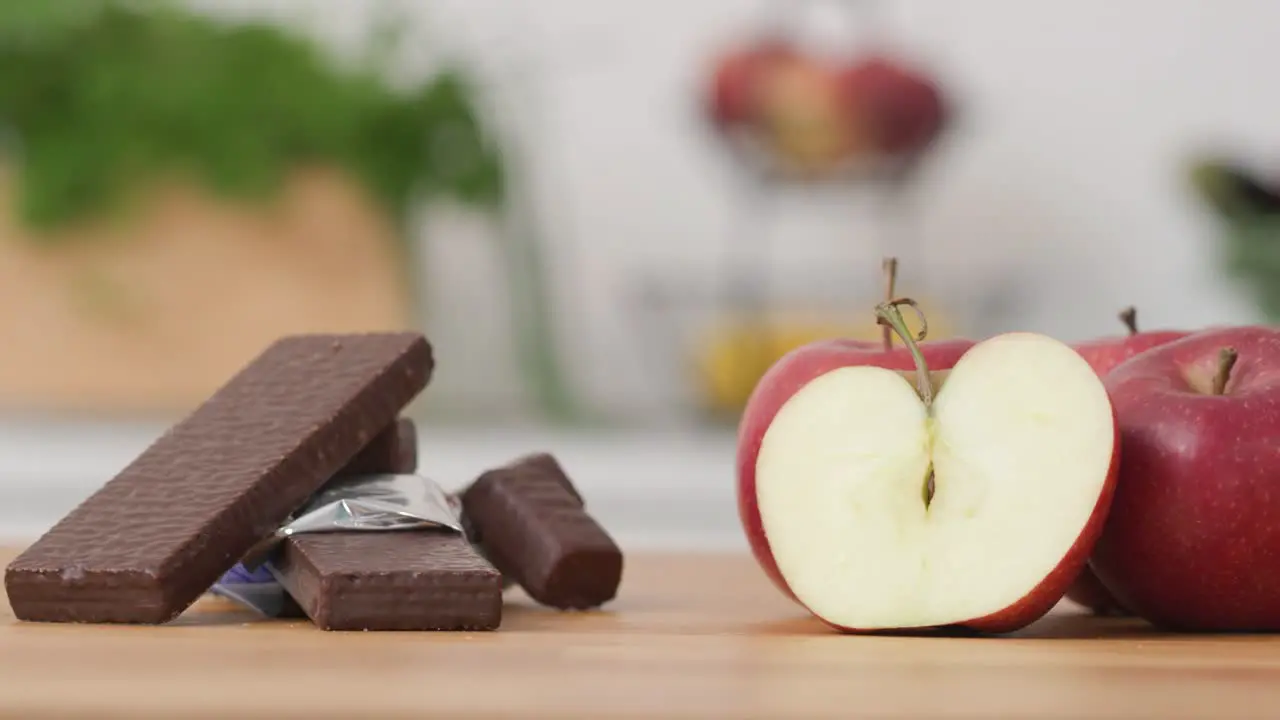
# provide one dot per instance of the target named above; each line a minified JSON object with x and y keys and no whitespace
{"x":239,"y":574}
{"x":256,"y":590}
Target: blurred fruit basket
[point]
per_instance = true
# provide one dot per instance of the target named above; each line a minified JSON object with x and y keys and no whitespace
{"x":793,"y":117}
{"x":792,"y":112}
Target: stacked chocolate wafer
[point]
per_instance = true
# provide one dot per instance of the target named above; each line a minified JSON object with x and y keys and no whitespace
{"x":308,"y":410}
{"x":530,"y":521}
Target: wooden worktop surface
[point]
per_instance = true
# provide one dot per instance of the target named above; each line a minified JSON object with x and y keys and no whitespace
{"x":689,"y":637}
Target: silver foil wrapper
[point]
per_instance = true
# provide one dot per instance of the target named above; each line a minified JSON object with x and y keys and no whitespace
{"x":382,"y":503}
{"x":376,"y":502}
{"x":372,"y":503}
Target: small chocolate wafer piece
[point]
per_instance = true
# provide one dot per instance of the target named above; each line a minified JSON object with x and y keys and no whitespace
{"x":394,"y":450}
{"x":537,"y":464}
{"x":403,"y":580}
{"x":158,"y":535}
{"x":532,"y":525}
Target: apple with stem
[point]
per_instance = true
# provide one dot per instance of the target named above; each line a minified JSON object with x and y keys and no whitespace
{"x":970,"y":497}
{"x":797,"y":369}
{"x":1194,"y":531}
{"x":1103,"y":355}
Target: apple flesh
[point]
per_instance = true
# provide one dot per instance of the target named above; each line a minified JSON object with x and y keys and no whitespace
{"x":1194,"y":532}
{"x":1021,"y":447}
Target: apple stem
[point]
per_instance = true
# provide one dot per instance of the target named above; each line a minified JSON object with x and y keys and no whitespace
{"x":1226,"y":361}
{"x":888,"y":315}
{"x":890,"y":268}
{"x":1129,"y":316}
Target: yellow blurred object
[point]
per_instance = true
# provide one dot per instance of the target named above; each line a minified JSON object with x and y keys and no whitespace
{"x":731,"y":357}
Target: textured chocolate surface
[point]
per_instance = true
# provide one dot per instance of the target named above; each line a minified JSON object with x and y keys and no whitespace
{"x":408,"y":580}
{"x":536,"y":465}
{"x":153,"y":539}
{"x":532,"y":525}
{"x":543,"y":466}
{"x":394,"y":450}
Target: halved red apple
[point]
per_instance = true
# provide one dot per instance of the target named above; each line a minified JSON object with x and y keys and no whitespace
{"x":968,"y":497}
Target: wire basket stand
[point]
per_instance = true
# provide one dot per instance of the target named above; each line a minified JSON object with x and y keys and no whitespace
{"x":796,"y":148}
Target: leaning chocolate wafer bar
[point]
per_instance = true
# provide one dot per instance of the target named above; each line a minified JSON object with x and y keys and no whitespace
{"x":533,"y":526}
{"x":406,"y":580}
{"x":153,"y":539}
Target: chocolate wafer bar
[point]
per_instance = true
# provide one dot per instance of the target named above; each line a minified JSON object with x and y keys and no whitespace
{"x":532,"y":525}
{"x":406,"y":580}
{"x":394,"y":450}
{"x":154,"y":538}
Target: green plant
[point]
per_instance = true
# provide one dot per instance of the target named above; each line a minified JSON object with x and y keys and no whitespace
{"x":99,"y":98}
{"x":1248,"y":209}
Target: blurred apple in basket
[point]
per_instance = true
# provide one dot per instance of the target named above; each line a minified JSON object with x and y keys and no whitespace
{"x":814,"y":116}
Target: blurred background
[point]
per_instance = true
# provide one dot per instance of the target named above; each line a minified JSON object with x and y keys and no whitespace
{"x":609,"y":218}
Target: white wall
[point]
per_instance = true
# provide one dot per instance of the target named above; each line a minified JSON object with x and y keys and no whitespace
{"x":1075,"y":118}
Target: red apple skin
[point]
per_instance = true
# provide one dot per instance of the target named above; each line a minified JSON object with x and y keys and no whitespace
{"x":784,"y":379}
{"x":1194,"y":532}
{"x":1103,"y":355}
{"x":809,"y":362}
{"x":736,"y":78}
{"x":1089,"y":592}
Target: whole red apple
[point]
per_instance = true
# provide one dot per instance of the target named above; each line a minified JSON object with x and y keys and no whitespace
{"x":901,"y":109}
{"x":1103,"y":355}
{"x":877,"y":505}
{"x":1194,"y":531}
{"x":736,"y":78}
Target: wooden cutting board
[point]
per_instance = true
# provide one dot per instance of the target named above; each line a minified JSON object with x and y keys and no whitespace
{"x":689,"y":637}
